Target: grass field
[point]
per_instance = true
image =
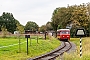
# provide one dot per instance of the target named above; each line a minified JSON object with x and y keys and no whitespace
{"x":85,"y":50}
{"x":12,"y":52}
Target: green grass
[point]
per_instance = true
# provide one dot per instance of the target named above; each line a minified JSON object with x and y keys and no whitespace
{"x":35,"y":49}
{"x":76,"y":41}
{"x":85,"y":50}
{"x":9,"y":41}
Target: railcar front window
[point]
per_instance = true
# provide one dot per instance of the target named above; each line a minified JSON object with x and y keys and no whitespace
{"x":64,"y":32}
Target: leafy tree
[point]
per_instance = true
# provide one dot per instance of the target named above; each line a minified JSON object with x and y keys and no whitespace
{"x":55,"y":20}
{"x":74,"y":16}
{"x":59,"y":27}
{"x":20,"y":27}
{"x":58,"y":18}
{"x":64,"y":16}
{"x":7,"y":20}
{"x":31,"y":26}
{"x":4,"y":31}
{"x":48,"y":26}
{"x":1,"y":22}
{"x":79,"y":17}
{"x":88,"y":8}
{"x":42,"y":28}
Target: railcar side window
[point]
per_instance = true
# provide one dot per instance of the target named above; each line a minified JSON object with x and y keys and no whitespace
{"x":58,"y":33}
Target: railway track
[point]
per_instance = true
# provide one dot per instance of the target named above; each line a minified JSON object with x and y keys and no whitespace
{"x":65,"y":46}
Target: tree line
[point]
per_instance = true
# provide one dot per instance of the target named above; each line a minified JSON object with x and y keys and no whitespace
{"x":75,"y":16}
{"x":72,"y":17}
{"x":10,"y":24}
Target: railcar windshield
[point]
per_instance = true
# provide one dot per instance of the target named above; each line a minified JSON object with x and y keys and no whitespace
{"x":64,"y":32}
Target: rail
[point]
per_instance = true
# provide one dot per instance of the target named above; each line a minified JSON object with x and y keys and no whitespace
{"x":65,"y":46}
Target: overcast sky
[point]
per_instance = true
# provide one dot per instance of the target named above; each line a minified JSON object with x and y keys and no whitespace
{"x":39,"y":11}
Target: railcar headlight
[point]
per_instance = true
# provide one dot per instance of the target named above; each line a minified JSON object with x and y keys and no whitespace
{"x":67,"y":36}
{"x":63,"y":36}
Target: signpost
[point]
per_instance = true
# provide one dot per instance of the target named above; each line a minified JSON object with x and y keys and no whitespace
{"x":19,"y":43}
{"x":27,"y":36}
{"x":45,"y":35}
{"x":80,"y":32}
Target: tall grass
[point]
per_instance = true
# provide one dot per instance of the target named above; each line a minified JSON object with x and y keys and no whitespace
{"x":85,"y":50}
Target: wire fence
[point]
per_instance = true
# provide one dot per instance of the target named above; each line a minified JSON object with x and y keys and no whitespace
{"x":12,"y":45}
{"x":32,"y":36}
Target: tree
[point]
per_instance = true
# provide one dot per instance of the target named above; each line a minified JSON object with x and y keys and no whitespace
{"x":7,"y":20}
{"x":42,"y":28}
{"x":20,"y":27}
{"x":31,"y":26}
{"x":80,"y":17}
{"x":60,"y":17}
{"x":1,"y":22}
{"x":88,"y":8}
{"x":48,"y":26}
{"x":75,"y":16}
{"x":4,"y":31}
{"x":57,"y":18}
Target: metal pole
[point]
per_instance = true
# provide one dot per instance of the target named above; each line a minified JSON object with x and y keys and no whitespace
{"x":30,"y":41}
{"x":80,"y":47}
{"x":37,"y":38}
{"x":19,"y":46}
{"x":27,"y":46}
{"x":45,"y":35}
{"x":19,"y":43}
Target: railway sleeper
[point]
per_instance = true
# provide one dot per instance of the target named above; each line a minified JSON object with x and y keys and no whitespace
{"x":47,"y":58}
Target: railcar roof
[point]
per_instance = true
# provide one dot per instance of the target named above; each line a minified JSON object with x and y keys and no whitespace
{"x":62,"y":29}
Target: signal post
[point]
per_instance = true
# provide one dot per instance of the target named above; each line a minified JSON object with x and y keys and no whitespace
{"x":80,"y":33}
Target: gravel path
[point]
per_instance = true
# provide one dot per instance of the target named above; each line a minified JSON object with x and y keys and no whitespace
{"x":72,"y":50}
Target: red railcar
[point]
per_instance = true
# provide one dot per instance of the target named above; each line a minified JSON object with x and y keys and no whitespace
{"x":63,"y":34}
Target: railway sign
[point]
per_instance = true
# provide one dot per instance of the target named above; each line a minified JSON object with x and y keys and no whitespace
{"x":27,"y":35}
{"x":80,"y":32}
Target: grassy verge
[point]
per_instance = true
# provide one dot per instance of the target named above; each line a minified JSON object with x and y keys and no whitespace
{"x":35,"y":49}
{"x":85,"y":50}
